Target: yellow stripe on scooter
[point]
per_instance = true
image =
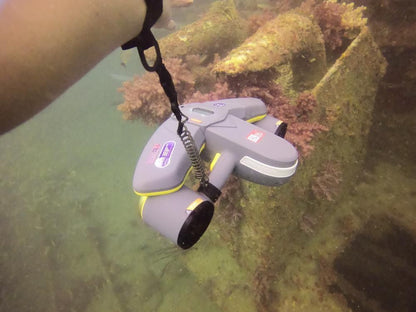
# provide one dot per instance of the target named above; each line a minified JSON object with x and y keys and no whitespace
{"x":194,"y":204}
{"x":257,"y":118}
{"x":142,"y":201}
{"x":214,"y":161}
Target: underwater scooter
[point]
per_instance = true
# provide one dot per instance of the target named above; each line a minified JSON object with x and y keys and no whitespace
{"x":236,"y":136}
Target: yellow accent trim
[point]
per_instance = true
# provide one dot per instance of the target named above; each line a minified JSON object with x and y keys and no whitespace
{"x":177,"y":188}
{"x":195,"y":120}
{"x":279,"y":122}
{"x":194,"y":204}
{"x":257,"y":118}
{"x":214,"y":161}
{"x":142,"y":201}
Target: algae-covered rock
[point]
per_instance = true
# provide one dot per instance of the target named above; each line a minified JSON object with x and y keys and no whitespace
{"x":290,"y":214}
{"x":278,"y":222}
{"x":277,"y":42}
{"x":218,"y":31}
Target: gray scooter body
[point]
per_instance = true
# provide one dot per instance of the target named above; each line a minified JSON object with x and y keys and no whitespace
{"x":249,"y":150}
{"x":235,"y":135}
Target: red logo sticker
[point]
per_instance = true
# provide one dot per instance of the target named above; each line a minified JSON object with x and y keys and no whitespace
{"x":255,"y":136}
{"x":153,"y":154}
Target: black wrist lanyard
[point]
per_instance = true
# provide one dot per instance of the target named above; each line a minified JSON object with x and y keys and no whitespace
{"x":145,"y":40}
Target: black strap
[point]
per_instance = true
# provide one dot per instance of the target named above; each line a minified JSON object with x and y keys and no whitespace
{"x":145,"y":40}
{"x":165,"y":80}
{"x":210,"y":190}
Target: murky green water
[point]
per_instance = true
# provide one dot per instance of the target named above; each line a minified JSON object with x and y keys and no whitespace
{"x":70,"y":234}
{"x":71,"y":239}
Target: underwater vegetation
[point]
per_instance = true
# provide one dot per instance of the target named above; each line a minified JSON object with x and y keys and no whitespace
{"x":317,"y":66}
{"x":145,"y":97}
{"x":326,"y":183}
{"x":338,"y":22}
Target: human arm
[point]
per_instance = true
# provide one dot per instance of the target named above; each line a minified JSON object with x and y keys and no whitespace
{"x":47,"y":45}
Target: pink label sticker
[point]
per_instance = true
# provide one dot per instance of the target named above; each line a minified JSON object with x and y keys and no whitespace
{"x":153,"y":154}
{"x":255,"y":136}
